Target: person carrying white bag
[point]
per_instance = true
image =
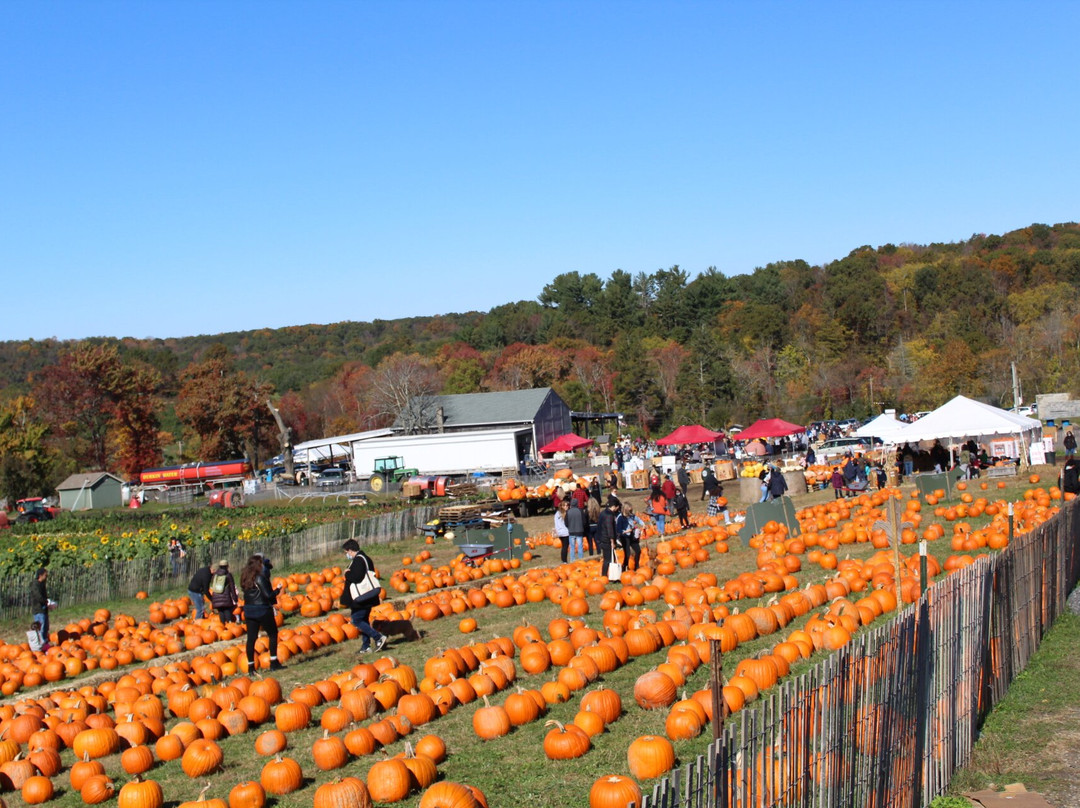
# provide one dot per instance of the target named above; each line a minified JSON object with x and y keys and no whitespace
{"x":362,"y":594}
{"x":606,"y":536}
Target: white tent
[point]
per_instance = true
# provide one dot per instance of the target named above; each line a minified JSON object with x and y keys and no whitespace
{"x":884,"y":426}
{"x":963,"y":418}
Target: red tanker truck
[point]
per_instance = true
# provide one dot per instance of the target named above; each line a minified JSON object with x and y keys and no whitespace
{"x":209,"y":474}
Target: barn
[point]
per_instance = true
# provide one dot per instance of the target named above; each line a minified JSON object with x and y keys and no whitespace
{"x":95,"y":489}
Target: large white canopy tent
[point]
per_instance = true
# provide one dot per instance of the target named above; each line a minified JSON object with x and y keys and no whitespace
{"x":884,"y":426}
{"x":963,"y":418}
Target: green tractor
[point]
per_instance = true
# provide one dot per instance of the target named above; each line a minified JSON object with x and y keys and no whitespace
{"x":389,"y":471}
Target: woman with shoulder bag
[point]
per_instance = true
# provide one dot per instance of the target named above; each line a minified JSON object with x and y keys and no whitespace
{"x":628,"y":527}
{"x":259,"y":600}
{"x":357,"y":575}
{"x":562,"y":533}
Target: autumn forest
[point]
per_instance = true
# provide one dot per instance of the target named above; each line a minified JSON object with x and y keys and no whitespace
{"x":902,"y":326}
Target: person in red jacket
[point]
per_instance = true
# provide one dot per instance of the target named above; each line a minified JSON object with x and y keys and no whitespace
{"x":668,"y":488}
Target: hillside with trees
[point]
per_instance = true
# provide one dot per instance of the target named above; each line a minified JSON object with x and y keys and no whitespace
{"x":903,"y":326}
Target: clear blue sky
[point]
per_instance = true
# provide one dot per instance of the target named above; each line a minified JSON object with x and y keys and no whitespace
{"x":179,"y":168}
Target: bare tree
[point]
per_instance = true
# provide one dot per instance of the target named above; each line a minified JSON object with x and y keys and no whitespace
{"x":285,"y":437}
{"x":404,"y":390}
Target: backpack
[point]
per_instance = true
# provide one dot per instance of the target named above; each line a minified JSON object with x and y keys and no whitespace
{"x":218,"y":582}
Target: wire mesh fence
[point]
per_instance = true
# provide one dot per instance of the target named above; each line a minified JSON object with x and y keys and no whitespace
{"x":885,"y":721}
{"x":111,"y":579}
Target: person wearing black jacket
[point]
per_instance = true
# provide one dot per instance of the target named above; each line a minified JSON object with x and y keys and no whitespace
{"x":198,"y":587}
{"x":682,"y":508}
{"x":683,"y":477}
{"x":360,"y":564}
{"x":606,"y":533}
{"x":710,"y":486}
{"x":259,"y":600}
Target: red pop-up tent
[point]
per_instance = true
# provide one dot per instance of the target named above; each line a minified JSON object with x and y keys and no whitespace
{"x":565,"y":443}
{"x":769,"y":428}
{"x":690,"y":434}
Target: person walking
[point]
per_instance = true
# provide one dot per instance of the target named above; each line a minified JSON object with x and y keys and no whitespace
{"x":575,"y":526}
{"x":764,"y":475}
{"x":907,"y":454}
{"x":360,"y":564}
{"x":198,"y":587}
{"x":561,"y":533}
{"x":592,"y":515}
{"x":40,"y":604}
{"x":682,"y":508}
{"x":684,"y":479}
{"x":607,"y":534}
{"x":259,"y":600}
{"x":837,"y":481}
{"x":1069,"y":444}
{"x":223,"y":595}
{"x":668,"y":487}
{"x":629,"y":528}
{"x":176,"y":553}
{"x":658,"y":509}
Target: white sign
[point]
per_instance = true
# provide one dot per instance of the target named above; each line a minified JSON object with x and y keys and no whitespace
{"x":1037,"y":454}
{"x":1005,"y":447}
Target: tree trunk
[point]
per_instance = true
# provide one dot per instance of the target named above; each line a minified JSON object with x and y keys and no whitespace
{"x":285,"y":438}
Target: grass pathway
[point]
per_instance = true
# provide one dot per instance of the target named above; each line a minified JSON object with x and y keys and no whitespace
{"x":1033,"y":735}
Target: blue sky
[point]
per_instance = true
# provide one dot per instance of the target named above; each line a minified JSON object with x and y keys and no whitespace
{"x":179,"y":168}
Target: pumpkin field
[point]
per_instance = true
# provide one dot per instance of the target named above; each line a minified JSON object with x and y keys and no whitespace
{"x":535,"y":682}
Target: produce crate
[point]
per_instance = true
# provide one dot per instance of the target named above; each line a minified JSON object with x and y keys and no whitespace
{"x":725,"y":470}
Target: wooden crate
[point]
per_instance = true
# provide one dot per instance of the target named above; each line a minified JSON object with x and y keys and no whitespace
{"x":725,"y":470}
{"x":411,"y":490}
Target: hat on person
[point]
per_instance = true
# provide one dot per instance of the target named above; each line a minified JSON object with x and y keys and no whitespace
{"x":223,"y":563}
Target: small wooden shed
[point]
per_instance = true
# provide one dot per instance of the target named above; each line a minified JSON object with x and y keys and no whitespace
{"x":94,"y":489}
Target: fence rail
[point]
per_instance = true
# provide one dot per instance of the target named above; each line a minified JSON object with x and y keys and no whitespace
{"x":107,"y":580}
{"x":888,"y":719}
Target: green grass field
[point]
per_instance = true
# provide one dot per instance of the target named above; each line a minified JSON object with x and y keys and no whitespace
{"x":511,"y":770}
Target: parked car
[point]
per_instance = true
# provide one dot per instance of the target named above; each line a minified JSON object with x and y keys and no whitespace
{"x":838,"y":447}
{"x":330,"y":478}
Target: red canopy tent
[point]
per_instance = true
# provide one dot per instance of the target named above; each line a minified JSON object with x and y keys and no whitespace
{"x":565,"y":443}
{"x":690,"y":434}
{"x":769,"y":428}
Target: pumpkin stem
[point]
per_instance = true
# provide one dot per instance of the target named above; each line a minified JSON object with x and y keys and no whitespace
{"x":558,"y":724}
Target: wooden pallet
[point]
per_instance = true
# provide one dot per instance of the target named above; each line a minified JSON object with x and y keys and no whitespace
{"x":461,"y":513}
{"x":461,"y":490}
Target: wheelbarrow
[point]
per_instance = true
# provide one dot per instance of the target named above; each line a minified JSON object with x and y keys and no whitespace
{"x":475,"y":553}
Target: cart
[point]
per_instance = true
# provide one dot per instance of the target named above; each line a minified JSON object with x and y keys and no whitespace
{"x":475,"y":553}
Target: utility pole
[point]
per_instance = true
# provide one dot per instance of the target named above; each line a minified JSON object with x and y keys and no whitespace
{"x":1016,"y":388}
